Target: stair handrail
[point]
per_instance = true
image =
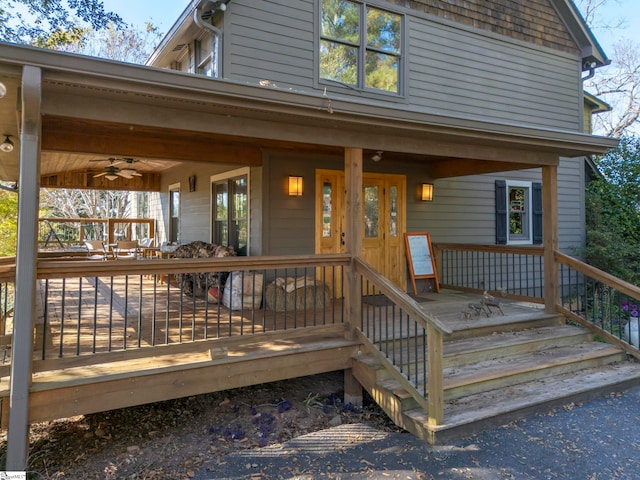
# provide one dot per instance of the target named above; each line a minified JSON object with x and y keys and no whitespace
{"x":600,"y":275}
{"x":435,"y":331}
{"x":615,"y":283}
{"x":400,"y":298}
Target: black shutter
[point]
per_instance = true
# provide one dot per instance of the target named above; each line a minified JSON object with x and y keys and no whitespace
{"x":536,"y":211}
{"x":501,"y":212}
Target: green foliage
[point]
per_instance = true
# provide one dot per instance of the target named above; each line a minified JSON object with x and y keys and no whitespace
{"x":8,"y":222}
{"x":52,"y":23}
{"x":613,"y":216}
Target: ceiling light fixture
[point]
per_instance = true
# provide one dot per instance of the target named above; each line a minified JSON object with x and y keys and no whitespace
{"x":378,"y":156}
{"x":7,"y":145}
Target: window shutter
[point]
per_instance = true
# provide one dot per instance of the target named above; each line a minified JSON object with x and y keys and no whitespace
{"x":536,"y":211}
{"x":501,"y":212}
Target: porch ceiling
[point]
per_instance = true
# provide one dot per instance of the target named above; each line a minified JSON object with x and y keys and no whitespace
{"x":96,"y":109}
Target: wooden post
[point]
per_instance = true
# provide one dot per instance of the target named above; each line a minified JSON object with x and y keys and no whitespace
{"x":26,"y":270}
{"x":435,"y":382}
{"x":550,"y":235}
{"x":353,"y":245}
{"x":353,"y":229}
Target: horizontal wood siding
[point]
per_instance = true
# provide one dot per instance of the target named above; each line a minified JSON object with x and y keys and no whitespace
{"x":271,"y":42}
{"x":452,"y":69}
{"x":289,"y":225}
{"x":457,"y":72}
{"x":463,"y":208}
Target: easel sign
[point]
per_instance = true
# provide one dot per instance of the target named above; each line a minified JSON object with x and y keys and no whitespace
{"x":421,"y":262}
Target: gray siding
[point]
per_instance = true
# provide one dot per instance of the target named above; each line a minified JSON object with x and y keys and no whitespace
{"x":452,"y":69}
{"x":463,"y":208}
{"x":272,"y":41}
{"x":456,"y":72}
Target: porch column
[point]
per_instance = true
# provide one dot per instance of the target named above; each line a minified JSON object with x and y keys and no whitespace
{"x":353,"y":246}
{"x":550,"y":235}
{"x":26,"y":270}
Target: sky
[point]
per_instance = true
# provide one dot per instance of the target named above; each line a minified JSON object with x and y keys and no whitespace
{"x":163,"y":14}
{"x":626,"y":10}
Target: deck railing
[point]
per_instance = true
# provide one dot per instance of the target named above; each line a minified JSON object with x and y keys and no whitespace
{"x":600,"y":301}
{"x":88,"y":307}
{"x":410,"y":338}
{"x":513,"y":271}
{"x":64,"y":233}
{"x":7,"y":291}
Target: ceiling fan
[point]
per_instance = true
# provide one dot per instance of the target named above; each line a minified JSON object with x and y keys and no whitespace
{"x":112,"y":171}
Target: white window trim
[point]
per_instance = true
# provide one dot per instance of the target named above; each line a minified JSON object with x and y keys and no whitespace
{"x":225,"y":176}
{"x":172,"y":188}
{"x":529,"y":205}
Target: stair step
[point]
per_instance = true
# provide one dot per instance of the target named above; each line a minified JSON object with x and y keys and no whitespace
{"x":487,"y":375}
{"x":468,"y":332}
{"x":482,"y":326}
{"x":504,"y":344}
{"x":478,"y":412}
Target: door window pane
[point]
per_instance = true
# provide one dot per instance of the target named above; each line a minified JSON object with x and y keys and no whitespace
{"x":393,"y":211}
{"x":371,"y":203}
{"x":240,"y":214}
{"x":174,"y":216}
{"x":221,"y":214}
{"x":327,"y":209}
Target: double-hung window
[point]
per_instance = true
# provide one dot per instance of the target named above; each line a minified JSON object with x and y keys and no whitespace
{"x":518,"y":212}
{"x":207,"y":56}
{"x":360,"y":46}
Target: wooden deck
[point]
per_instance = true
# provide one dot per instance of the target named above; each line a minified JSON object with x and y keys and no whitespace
{"x":129,"y":343}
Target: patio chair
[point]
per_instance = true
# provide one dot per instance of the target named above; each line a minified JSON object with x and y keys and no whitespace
{"x":126,"y":250}
{"x":146,"y":242}
{"x":96,"y":250}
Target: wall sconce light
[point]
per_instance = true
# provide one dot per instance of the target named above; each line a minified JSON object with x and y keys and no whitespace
{"x":7,"y":145}
{"x":295,"y":186}
{"x":426,"y":194}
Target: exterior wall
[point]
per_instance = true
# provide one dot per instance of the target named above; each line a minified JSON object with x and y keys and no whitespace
{"x":453,"y":69}
{"x":195,"y":207}
{"x":463,"y":208}
{"x":533,"y":21}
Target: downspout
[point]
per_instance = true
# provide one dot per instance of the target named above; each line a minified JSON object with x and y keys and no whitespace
{"x":222,"y":6}
{"x":592,"y":70}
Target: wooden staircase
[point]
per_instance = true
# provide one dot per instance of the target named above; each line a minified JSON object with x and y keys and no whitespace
{"x":500,"y":369}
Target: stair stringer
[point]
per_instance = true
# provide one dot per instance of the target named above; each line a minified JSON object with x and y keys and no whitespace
{"x":390,"y":388}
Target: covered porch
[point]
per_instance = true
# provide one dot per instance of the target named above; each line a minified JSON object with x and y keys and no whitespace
{"x":74,"y":108}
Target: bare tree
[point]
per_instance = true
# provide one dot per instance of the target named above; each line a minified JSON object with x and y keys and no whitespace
{"x":619,"y":86}
{"x":619,"y":83}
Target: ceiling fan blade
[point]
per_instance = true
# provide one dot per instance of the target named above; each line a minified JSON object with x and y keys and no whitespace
{"x":128,"y":173}
{"x":100,"y":174}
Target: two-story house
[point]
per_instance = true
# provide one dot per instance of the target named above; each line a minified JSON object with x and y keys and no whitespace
{"x":308,"y":128}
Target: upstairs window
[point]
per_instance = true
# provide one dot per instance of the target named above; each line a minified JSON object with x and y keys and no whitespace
{"x":207,"y":56}
{"x":360,"y":46}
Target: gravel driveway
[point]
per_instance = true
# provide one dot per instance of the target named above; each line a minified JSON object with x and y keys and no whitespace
{"x":596,"y":440}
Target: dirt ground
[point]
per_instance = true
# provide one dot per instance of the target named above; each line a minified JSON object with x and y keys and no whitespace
{"x":170,"y":440}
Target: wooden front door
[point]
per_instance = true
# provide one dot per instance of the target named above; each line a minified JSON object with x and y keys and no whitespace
{"x":383,"y":220}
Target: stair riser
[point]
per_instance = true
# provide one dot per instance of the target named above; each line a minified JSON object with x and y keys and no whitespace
{"x":507,"y":327}
{"x":508,"y":351}
{"x":469,"y":358}
{"x":416,"y":342}
{"x":526,"y":376}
